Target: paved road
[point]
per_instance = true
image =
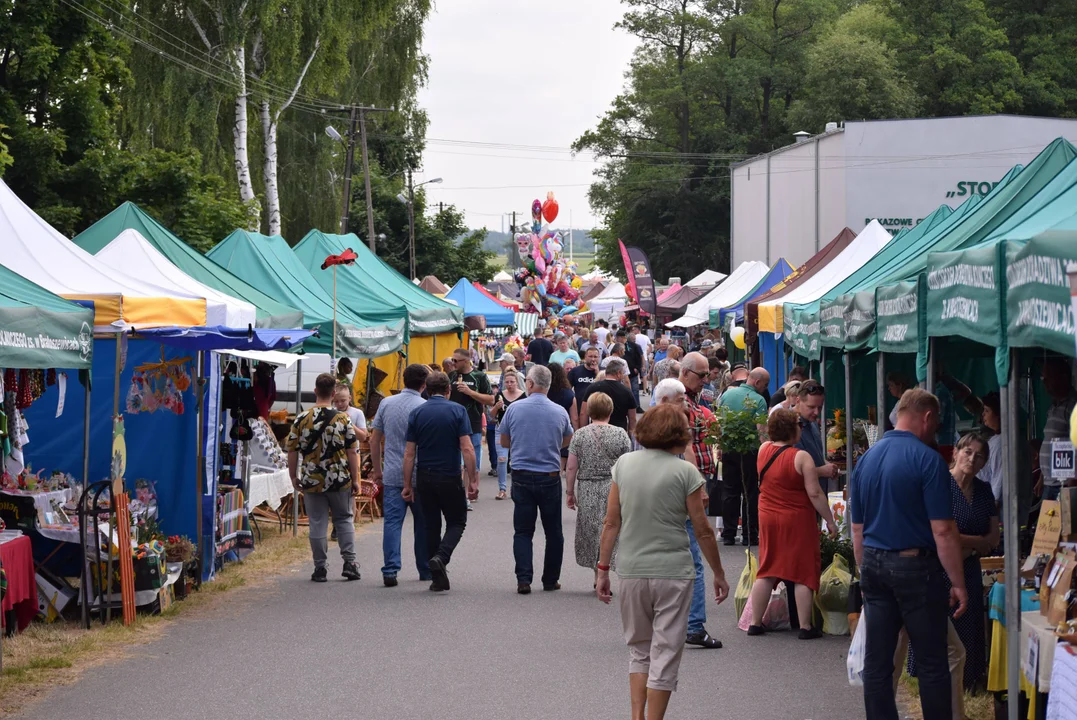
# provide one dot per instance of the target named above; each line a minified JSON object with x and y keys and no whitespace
{"x":295,"y":649}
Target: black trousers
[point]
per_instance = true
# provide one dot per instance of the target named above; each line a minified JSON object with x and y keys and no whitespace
{"x":439,"y":495}
{"x":740,"y":495}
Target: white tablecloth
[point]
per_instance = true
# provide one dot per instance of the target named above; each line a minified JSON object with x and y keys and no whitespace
{"x":269,"y":488}
{"x":1035,"y":624}
{"x":42,"y":500}
{"x":1062,"y":704}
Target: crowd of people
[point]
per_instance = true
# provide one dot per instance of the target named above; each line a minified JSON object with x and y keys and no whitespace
{"x":565,"y":412}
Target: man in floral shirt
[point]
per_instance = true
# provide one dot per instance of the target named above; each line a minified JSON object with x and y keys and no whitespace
{"x":325,"y":438}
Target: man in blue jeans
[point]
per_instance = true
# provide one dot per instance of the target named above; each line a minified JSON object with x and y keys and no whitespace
{"x":904,"y":537}
{"x":535,"y":429}
{"x":471,"y":388}
{"x":391,"y":428}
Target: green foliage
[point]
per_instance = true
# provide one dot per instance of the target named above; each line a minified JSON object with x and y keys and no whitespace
{"x":715,"y":82}
{"x":829,"y":547}
{"x":737,"y":431}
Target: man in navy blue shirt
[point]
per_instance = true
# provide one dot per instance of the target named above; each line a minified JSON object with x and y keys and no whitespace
{"x":812,"y":397}
{"x":439,"y":432}
{"x":540,"y":349}
{"x":534,"y":430}
{"x":904,"y":536}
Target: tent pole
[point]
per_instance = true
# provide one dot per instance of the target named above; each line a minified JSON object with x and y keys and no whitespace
{"x":200,"y":417}
{"x":822,"y":381}
{"x":849,"y":444}
{"x":335,"y":319}
{"x":298,"y":409}
{"x":880,"y":393}
{"x":931,"y":365}
{"x":1011,"y":536}
{"x":85,"y":578}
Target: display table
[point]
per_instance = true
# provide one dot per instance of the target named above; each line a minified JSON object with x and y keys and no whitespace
{"x":269,"y":487}
{"x":17,"y":557}
{"x":43,"y":499}
{"x":1035,"y":628}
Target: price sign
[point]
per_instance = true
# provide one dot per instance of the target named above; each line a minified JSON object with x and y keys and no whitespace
{"x":1062,"y":460}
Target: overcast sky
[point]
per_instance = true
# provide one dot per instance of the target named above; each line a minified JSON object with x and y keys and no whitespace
{"x":521,"y":74}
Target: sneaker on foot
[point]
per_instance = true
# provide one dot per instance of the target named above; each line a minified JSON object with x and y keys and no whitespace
{"x":351,"y":571}
{"x":809,"y":633}
{"x":320,"y":575}
{"x":437,"y":571}
{"x":389,"y":580}
{"x":702,"y":639}
{"x":756,"y":630}
{"x":469,"y":506}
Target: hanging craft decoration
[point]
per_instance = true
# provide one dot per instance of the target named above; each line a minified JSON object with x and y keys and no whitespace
{"x":159,"y":386}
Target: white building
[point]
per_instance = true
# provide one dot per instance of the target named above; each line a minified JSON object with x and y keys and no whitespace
{"x":792,"y":201}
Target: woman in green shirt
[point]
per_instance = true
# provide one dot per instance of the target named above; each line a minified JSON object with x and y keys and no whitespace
{"x":653,"y":493}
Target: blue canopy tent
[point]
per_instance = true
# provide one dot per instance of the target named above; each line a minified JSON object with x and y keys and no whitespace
{"x":474,"y":303}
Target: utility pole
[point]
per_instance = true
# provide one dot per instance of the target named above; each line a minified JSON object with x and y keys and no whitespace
{"x":349,"y":158}
{"x":514,"y":251}
{"x":571,"y":253}
{"x":411,"y":226}
{"x":366,"y":177}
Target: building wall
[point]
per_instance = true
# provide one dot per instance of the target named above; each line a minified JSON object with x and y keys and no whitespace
{"x":895,"y":170}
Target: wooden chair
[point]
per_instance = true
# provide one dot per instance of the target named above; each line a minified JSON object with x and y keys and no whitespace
{"x":366,"y":500}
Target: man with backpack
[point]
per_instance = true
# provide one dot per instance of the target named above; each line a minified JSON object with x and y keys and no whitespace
{"x":322,"y":444}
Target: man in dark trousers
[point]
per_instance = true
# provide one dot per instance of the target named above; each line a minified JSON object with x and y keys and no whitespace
{"x":634,"y":357}
{"x":740,"y":476}
{"x":904,"y":538}
{"x":471,"y":389}
{"x":439,"y":432}
{"x":534,"y":430}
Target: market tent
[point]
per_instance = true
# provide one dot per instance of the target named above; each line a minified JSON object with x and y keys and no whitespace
{"x":707,"y":278}
{"x":668,"y":292}
{"x":268,"y":264}
{"x":673,"y":304}
{"x":610,"y":301}
{"x":475,"y":302}
{"x":508,"y":289}
{"x":226,"y":338}
{"x":132,"y":253}
{"x":740,"y":281}
{"x":434,"y":286}
{"x":735,"y":312}
{"x":511,"y":305}
{"x":526,"y":323}
{"x":42,"y":330}
{"x":270,"y":313}
{"x":378,"y":285}
{"x":32,"y":248}
{"x":502,"y":276}
{"x":802,"y":274}
{"x":596,"y":289}
{"x":871,"y":240}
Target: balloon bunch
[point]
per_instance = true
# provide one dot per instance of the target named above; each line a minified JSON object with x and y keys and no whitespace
{"x":549,"y":285}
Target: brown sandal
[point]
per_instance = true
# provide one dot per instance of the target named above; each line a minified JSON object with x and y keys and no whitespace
{"x":500,"y":495}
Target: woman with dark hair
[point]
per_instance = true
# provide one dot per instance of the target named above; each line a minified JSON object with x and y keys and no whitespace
{"x":562,"y":394}
{"x":992,"y":421}
{"x":789,"y":498}
{"x":652,"y":495}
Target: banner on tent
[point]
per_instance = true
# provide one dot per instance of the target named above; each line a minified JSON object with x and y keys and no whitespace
{"x":1038,"y":311}
{"x":897,"y":313}
{"x":859,"y":320}
{"x":367,"y":342}
{"x":35,"y":338}
{"x":832,"y":321}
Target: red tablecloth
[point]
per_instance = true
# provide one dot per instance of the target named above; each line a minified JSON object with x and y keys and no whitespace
{"x":18,"y":559}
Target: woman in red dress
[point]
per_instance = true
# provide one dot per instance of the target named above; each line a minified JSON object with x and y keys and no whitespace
{"x":790,"y":498}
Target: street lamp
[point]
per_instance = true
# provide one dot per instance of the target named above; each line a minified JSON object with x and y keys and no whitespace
{"x":410,"y":202}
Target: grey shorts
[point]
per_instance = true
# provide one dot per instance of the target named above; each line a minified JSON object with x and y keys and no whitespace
{"x":654,"y":614}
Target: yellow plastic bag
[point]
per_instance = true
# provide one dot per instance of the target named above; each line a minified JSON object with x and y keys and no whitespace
{"x":833,"y":596}
{"x":744,"y":585}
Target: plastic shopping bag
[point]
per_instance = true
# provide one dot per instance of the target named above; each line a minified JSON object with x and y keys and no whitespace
{"x":776,"y":616}
{"x":746,"y":616}
{"x":744,"y":586}
{"x":854,"y":663}
{"x":833,"y":596}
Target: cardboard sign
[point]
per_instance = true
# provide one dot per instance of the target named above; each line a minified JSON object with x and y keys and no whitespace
{"x":1060,"y":582}
{"x":1030,"y":662}
{"x":1062,"y":460}
{"x":1048,"y":529}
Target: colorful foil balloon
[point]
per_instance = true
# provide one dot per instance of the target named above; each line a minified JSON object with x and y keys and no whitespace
{"x":550,"y":285}
{"x":549,"y":208}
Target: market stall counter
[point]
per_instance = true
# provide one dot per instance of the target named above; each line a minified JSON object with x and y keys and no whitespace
{"x":20,"y":600}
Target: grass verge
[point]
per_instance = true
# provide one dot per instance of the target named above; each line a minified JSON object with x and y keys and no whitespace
{"x":977,"y":707}
{"x":45,"y":656}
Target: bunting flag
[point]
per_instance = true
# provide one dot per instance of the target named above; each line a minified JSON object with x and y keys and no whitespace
{"x":640,"y":280}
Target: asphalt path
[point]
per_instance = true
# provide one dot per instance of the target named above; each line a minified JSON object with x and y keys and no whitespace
{"x":295,"y":649}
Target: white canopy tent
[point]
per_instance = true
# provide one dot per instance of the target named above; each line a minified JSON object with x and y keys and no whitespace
{"x":131,"y":253}
{"x":729,"y":292}
{"x":871,"y":240}
{"x":610,"y":302}
{"x":34,"y":249}
{"x":705,"y":278}
{"x":502,"y":276}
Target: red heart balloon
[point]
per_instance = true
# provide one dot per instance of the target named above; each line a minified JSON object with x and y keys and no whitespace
{"x":549,"y":210}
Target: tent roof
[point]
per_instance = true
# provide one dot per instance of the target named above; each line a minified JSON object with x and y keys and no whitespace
{"x":707,"y":277}
{"x":31,"y":313}
{"x":476,"y":303}
{"x":270,"y":313}
{"x":732,"y":289}
{"x":675,"y":302}
{"x":502,"y":276}
{"x":594,"y":291}
{"x":500,"y":301}
{"x":777,"y":274}
{"x":871,"y":240}
{"x":268,"y":263}
{"x":614,"y":291}
{"x":34,"y":249}
{"x":227,"y":338}
{"x":426,"y":314}
{"x":507,"y":289}
{"x":434,"y":286}
{"x":132,"y":253}
{"x":668,"y":292}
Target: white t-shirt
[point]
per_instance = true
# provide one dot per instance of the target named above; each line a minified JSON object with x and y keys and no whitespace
{"x":644,"y":343}
{"x":357,"y":418}
{"x":602,"y":333}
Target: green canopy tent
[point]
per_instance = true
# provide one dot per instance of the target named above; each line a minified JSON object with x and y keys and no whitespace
{"x":41,"y":330}
{"x":268,"y":264}
{"x":372,"y":278}
{"x":270,"y":312}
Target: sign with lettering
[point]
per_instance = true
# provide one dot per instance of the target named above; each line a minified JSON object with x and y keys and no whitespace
{"x":897,"y":317}
{"x":1062,"y":457}
{"x":1039,"y":311}
{"x":964,"y":296}
{"x":1048,"y":529}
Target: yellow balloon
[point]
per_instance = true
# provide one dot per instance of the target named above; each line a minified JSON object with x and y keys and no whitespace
{"x":1073,"y":426}
{"x":737,"y":335}
{"x":577,"y":283}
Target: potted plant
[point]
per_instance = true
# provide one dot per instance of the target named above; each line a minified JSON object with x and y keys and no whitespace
{"x":180,"y":549}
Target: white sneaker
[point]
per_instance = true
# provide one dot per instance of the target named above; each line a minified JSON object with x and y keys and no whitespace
{"x":469,"y":508}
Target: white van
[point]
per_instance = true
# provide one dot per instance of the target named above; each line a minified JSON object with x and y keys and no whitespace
{"x":309,"y":369}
